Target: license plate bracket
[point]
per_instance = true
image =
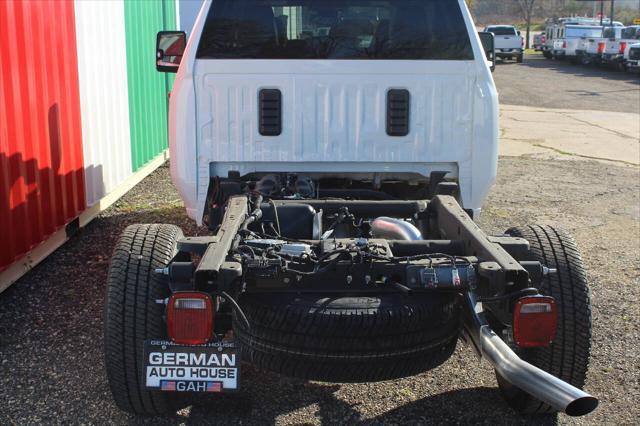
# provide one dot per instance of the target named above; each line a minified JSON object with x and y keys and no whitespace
{"x":213,"y":367}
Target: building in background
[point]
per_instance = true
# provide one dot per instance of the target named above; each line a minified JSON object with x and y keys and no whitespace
{"x":83,"y":115}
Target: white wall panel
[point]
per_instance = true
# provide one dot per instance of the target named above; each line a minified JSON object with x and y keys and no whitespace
{"x":102,"y":67}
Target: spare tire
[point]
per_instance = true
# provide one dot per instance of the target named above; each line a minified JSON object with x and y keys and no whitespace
{"x":348,"y":339}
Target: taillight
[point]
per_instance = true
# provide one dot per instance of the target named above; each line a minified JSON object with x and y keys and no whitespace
{"x":623,"y":46}
{"x":190,"y":317}
{"x":600,"y":48}
{"x":543,"y":39}
{"x":564,"y":44}
{"x":535,"y":321}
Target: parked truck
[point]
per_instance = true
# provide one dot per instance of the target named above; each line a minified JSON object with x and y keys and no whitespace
{"x":508,"y":42}
{"x":594,"y":47}
{"x":339,"y":153}
{"x":616,"y":50}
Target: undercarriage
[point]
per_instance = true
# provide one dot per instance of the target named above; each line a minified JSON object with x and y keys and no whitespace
{"x":346,"y":289}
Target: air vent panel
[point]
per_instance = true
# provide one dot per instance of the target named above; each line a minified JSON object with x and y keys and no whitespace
{"x":398,"y":112}
{"x":270,"y":112}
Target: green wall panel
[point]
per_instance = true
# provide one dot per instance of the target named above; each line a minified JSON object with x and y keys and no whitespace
{"x":147,"y":88}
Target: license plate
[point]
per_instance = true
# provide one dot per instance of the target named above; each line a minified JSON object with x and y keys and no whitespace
{"x":214,"y":367}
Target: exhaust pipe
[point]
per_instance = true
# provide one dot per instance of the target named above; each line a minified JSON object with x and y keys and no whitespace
{"x":394,"y":229}
{"x":547,"y":388}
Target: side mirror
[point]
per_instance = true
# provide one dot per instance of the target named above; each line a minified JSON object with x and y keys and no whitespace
{"x":519,"y":33}
{"x":170,"y":46}
{"x":487,"y":40}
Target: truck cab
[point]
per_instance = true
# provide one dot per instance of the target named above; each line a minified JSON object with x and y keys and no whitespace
{"x":337,"y":115}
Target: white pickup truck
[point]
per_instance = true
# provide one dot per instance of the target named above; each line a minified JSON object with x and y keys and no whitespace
{"x":508,"y":42}
{"x":594,"y":47}
{"x":616,"y":50}
{"x":573,"y":39}
{"x":338,"y":152}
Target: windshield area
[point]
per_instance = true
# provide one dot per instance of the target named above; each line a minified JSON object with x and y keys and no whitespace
{"x":332,"y":29}
{"x":502,"y":30}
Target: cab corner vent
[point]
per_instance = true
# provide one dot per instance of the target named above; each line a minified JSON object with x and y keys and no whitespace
{"x":270,"y":112}
{"x":398,"y":112}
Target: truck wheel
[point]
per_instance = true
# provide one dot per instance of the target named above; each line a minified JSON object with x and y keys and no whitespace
{"x":348,"y":339}
{"x":568,"y":356}
{"x":547,"y":54}
{"x":520,"y":58}
{"x":132,"y":314}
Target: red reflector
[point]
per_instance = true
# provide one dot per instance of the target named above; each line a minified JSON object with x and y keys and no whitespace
{"x":600,"y":47}
{"x":535,"y":321}
{"x":564,"y":44}
{"x":190,"y":317}
{"x":623,"y":46}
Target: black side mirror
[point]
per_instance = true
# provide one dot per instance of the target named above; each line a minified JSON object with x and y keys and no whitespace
{"x":170,"y":46}
{"x":488,"y":45}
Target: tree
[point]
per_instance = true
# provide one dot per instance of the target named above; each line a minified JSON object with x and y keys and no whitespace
{"x":526,"y":11}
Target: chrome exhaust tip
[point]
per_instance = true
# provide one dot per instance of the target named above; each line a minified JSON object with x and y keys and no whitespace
{"x":547,"y":388}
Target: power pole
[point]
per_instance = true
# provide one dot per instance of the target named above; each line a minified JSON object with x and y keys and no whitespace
{"x":601,"y":11}
{"x":611,"y":15}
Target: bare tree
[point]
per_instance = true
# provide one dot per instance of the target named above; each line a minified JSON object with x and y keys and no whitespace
{"x":526,"y":10}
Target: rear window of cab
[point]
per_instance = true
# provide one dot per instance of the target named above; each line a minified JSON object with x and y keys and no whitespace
{"x":334,"y":29}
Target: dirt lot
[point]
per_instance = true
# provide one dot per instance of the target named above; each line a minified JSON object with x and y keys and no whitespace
{"x":51,"y":321}
{"x":547,"y":83}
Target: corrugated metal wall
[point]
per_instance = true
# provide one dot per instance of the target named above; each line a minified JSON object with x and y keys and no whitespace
{"x":77,"y":79}
{"x":41,"y":165}
{"x":147,"y":88}
{"x":102,"y":64}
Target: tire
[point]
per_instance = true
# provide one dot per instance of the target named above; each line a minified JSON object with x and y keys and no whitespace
{"x":520,"y":58}
{"x":568,"y":356}
{"x":348,"y":339}
{"x":132,"y":314}
{"x":547,"y":54}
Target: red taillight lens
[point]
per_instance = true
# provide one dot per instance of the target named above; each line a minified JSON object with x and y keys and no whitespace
{"x":564,"y":44}
{"x":600,"y":47}
{"x":190,"y":317}
{"x":543,"y":39}
{"x":623,"y":46}
{"x":535,"y":321}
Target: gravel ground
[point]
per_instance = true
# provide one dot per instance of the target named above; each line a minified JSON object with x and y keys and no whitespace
{"x":51,"y":320}
{"x":544,"y":83}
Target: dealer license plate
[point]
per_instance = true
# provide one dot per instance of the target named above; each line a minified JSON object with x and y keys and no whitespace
{"x":214,"y":367}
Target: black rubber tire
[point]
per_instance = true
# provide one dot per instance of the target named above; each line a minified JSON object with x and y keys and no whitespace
{"x":568,"y":356}
{"x":520,"y":58}
{"x":348,"y":339}
{"x":547,"y":54}
{"x":132,"y":314}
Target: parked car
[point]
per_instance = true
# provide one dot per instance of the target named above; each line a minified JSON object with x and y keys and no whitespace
{"x":615,"y":51}
{"x":594,"y":47}
{"x":632,"y":60}
{"x":539,"y":41}
{"x":339,"y":177}
{"x":508,"y":42}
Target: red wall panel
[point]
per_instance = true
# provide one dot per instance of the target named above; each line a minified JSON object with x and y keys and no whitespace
{"x":41,"y":166}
